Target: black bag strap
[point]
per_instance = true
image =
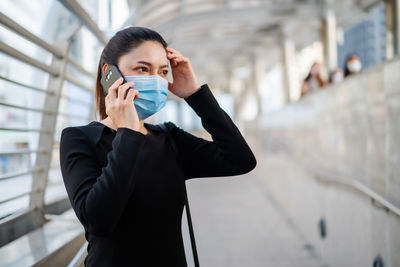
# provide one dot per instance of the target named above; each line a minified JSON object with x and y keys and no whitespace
{"x":189,"y":217}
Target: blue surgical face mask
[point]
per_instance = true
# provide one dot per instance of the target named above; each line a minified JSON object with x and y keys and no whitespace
{"x":153,"y":91}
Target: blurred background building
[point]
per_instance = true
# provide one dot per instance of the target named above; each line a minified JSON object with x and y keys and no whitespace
{"x":326,"y":190}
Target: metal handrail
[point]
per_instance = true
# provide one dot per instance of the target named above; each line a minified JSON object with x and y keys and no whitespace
{"x":73,"y":80}
{"x":75,"y":100}
{"x":359,"y":187}
{"x":18,"y":212}
{"x":349,"y":181}
{"x":20,"y":196}
{"x":26,"y":108}
{"x":79,"y":67}
{"x":18,"y":174}
{"x":82,"y":15}
{"x":42,"y":90}
{"x":58,"y":76}
{"x":26,"y":85}
{"x":12,"y":25}
{"x":27,"y":59}
{"x":23,"y":151}
{"x":47,"y":112}
{"x":78,"y":256}
{"x":45,"y":131}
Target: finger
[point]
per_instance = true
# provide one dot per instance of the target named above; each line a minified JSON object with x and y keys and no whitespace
{"x":173,"y":53}
{"x":122,"y":90}
{"x":181,"y":59}
{"x":112,"y":91}
{"x":171,"y":50}
{"x":176,"y":61}
{"x":107,"y":104}
{"x":132,"y":94}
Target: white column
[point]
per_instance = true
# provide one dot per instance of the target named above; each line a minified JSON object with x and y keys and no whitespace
{"x":235,"y":89}
{"x":329,"y":40}
{"x":232,"y":90}
{"x":257,"y":71}
{"x":288,"y":56}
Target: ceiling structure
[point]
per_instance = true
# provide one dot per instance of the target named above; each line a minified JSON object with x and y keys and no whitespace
{"x":220,"y":32}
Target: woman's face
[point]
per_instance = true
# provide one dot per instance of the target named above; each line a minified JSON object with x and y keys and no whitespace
{"x":149,"y":58}
{"x":354,"y":64}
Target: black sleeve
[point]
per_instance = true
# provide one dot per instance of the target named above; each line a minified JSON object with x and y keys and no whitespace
{"x":227,"y":155}
{"x":99,"y":195}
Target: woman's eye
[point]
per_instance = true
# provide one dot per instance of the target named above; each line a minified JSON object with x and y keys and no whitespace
{"x":144,"y":69}
{"x":165,"y":72}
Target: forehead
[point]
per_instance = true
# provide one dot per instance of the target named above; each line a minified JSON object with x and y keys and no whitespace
{"x":150,"y":51}
{"x":353,"y":57}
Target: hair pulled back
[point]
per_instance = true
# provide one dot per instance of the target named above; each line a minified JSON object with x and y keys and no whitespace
{"x":120,"y":44}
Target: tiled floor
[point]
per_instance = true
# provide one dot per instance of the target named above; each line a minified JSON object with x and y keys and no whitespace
{"x":238,"y":224}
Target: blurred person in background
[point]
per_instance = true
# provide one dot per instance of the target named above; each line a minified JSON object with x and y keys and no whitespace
{"x":336,"y":76}
{"x":313,"y":81}
{"x":353,"y":65}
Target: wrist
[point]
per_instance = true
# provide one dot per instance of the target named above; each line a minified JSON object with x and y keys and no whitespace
{"x":197,"y":92}
{"x":191,"y":92}
{"x":132,"y":127}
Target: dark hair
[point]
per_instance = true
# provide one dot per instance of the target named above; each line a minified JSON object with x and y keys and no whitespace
{"x":346,"y":69}
{"x":120,"y":44}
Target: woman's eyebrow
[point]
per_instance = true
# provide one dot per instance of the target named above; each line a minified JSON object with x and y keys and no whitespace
{"x":149,"y":64}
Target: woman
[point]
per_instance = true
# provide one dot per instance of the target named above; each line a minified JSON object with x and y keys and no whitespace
{"x":336,"y":76}
{"x":124,"y":180}
{"x":353,"y":65}
{"x":313,"y":81}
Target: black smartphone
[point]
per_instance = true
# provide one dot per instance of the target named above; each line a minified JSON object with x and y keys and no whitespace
{"x":111,"y":74}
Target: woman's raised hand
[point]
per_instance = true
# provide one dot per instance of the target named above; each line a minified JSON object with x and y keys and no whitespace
{"x":185,"y":82}
{"x":120,"y":106}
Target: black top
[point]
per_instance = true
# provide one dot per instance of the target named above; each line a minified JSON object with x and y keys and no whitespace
{"x":127,"y":188}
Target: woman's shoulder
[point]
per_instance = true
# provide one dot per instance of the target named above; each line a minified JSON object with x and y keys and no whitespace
{"x":90,"y":132}
{"x":80,"y":128}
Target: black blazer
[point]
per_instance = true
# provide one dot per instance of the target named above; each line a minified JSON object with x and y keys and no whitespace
{"x":127,"y":188}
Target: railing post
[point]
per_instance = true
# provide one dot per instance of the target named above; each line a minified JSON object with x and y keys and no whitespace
{"x":51,"y":102}
{"x":396,"y":25}
{"x":393,"y":28}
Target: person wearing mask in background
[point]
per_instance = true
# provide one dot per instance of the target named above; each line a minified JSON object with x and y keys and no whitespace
{"x":313,"y":81}
{"x":353,"y":65}
{"x":124,"y":179}
{"x":336,"y":76}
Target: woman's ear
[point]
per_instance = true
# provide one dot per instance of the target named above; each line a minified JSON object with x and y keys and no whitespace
{"x":103,"y":69}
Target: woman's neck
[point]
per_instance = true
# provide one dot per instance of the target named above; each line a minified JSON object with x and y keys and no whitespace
{"x":108,"y":122}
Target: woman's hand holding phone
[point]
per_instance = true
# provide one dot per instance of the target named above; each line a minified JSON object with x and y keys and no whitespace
{"x":120,"y":105}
